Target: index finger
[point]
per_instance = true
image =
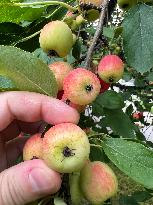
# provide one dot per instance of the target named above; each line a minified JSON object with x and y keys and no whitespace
{"x":31,"y":107}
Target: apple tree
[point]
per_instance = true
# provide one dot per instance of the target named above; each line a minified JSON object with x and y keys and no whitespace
{"x":110,"y":40}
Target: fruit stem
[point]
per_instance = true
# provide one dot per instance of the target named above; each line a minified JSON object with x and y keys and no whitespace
{"x":45,"y":3}
{"x":97,"y":34}
{"x":95,"y":145}
{"x":98,"y":134}
{"x":26,"y":38}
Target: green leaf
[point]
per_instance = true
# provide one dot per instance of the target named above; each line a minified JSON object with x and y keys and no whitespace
{"x":97,"y":154}
{"x":26,"y":71}
{"x":132,"y":158}
{"x":138,"y":38}
{"x":142,"y":196}
{"x":127,"y":200}
{"x":76,"y":50}
{"x":6,"y":84}
{"x":110,"y":99}
{"x":120,"y":123}
{"x":108,"y":32}
{"x":16,"y":14}
{"x":150,"y":76}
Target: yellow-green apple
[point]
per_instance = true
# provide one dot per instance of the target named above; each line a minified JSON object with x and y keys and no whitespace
{"x":65,"y":148}
{"x":56,"y":37}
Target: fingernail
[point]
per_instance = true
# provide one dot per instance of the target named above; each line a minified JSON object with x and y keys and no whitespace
{"x":42,"y":181}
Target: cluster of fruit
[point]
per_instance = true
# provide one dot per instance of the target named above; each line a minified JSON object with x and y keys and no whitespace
{"x":79,"y":86}
{"x":65,"y":148}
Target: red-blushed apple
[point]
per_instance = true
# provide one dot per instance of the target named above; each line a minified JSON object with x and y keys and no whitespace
{"x":56,"y":37}
{"x":111,"y":68}
{"x":81,"y":86}
{"x":104,"y":86}
{"x":98,"y":182}
{"x":79,"y":108}
{"x":65,"y":148}
{"x":137,"y":115}
{"x":60,"y":94}
{"x":33,"y":148}
{"x":60,"y":70}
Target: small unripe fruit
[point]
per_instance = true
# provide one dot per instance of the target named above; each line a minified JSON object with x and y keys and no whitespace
{"x":74,"y":25}
{"x":65,"y":148}
{"x":60,"y":70}
{"x":98,"y":182}
{"x":92,"y":15}
{"x":79,"y":108}
{"x":92,"y":8}
{"x":56,"y":37}
{"x":111,"y":68}
{"x":81,"y":86}
{"x":126,"y":4}
{"x":75,"y":192}
{"x":80,"y":20}
{"x":33,"y":148}
{"x":74,"y":38}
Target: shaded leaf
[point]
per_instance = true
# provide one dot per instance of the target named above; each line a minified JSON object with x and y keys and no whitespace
{"x":76,"y":50}
{"x":127,"y":200}
{"x":120,"y":123}
{"x":133,"y":158}
{"x":142,"y":196}
{"x":110,"y":99}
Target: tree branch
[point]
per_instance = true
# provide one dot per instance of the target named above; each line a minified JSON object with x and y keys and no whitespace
{"x":97,"y":34}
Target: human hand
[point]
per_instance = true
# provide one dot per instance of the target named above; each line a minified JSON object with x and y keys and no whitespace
{"x":25,"y":111}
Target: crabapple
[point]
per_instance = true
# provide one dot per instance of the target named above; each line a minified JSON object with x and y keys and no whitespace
{"x":65,"y":148}
{"x":98,"y":182}
{"x":60,"y":70}
{"x":56,"y":38}
{"x":111,"y":68}
{"x":81,"y":86}
{"x":33,"y":148}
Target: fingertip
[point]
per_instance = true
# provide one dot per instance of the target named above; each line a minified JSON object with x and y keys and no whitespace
{"x":60,"y":113}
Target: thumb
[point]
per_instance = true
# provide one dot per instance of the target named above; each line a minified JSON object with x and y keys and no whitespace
{"x":27,"y":182}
